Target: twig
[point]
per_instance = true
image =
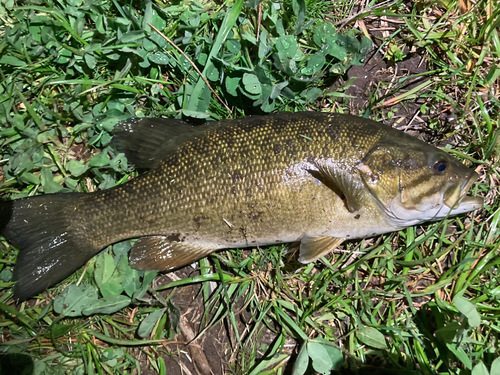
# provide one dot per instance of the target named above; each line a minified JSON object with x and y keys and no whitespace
{"x":342,"y":23}
{"x":259,"y":20}
{"x":192,"y":64}
{"x":197,"y":352}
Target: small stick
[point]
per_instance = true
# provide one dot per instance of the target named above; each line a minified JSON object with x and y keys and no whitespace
{"x":228,"y":223}
{"x":192,"y":63}
{"x":259,"y":20}
{"x":197,"y":352}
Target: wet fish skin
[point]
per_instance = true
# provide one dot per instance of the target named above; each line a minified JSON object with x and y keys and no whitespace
{"x":312,"y":177}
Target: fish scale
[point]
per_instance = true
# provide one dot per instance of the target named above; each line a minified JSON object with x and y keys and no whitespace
{"x":312,"y":177}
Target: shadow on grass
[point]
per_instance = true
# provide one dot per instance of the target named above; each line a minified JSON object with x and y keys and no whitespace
{"x":15,"y":363}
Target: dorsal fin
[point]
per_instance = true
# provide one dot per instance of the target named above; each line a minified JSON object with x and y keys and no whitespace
{"x":146,"y":142}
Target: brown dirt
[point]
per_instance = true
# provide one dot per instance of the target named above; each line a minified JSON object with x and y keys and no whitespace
{"x":376,"y":71}
{"x":218,"y":344}
{"x":183,"y":355}
{"x":213,"y":343}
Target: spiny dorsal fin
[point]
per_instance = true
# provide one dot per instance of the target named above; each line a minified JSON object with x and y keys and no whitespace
{"x":146,"y":142}
{"x":158,"y":253}
{"x":347,"y":182}
{"x":313,"y":248}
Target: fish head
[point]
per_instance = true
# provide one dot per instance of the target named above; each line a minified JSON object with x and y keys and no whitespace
{"x":416,"y":182}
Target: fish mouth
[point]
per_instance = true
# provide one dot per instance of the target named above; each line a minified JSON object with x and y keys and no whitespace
{"x":459,"y":202}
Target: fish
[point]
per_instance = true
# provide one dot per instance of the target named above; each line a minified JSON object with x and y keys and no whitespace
{"x":309,"y":177}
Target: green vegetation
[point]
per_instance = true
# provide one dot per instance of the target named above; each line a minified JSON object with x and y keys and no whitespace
{"x":422,"y":301}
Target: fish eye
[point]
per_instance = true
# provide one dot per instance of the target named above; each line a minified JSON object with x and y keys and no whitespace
{"x":440,"y":166}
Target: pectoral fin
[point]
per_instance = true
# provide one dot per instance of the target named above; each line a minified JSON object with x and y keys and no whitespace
{"x":312,"y":248}
{"x":157,"y":253}
{"x":347,"y":182}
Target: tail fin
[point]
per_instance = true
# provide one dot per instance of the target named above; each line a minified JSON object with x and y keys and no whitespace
{"x":51,"y":238}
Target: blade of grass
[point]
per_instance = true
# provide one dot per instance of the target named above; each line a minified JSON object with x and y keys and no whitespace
{"x":226,"y":26}
{"x":202,"y":74}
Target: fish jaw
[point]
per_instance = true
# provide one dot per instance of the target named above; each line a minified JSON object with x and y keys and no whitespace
{"x":451,"y":202}
{"x":458,"y":202}
{"x":468,"y":204}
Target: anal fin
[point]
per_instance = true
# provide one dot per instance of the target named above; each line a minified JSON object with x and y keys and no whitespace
{"x":158,"y":253}
{"x":313,"y":248}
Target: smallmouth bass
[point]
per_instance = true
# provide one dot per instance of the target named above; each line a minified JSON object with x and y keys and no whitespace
{"x":317,"y":178}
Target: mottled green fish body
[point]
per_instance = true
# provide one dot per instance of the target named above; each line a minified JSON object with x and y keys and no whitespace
{"x":312,"y":177}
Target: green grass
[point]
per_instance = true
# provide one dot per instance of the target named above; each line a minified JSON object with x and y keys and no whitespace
{"x":421,"y":301}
